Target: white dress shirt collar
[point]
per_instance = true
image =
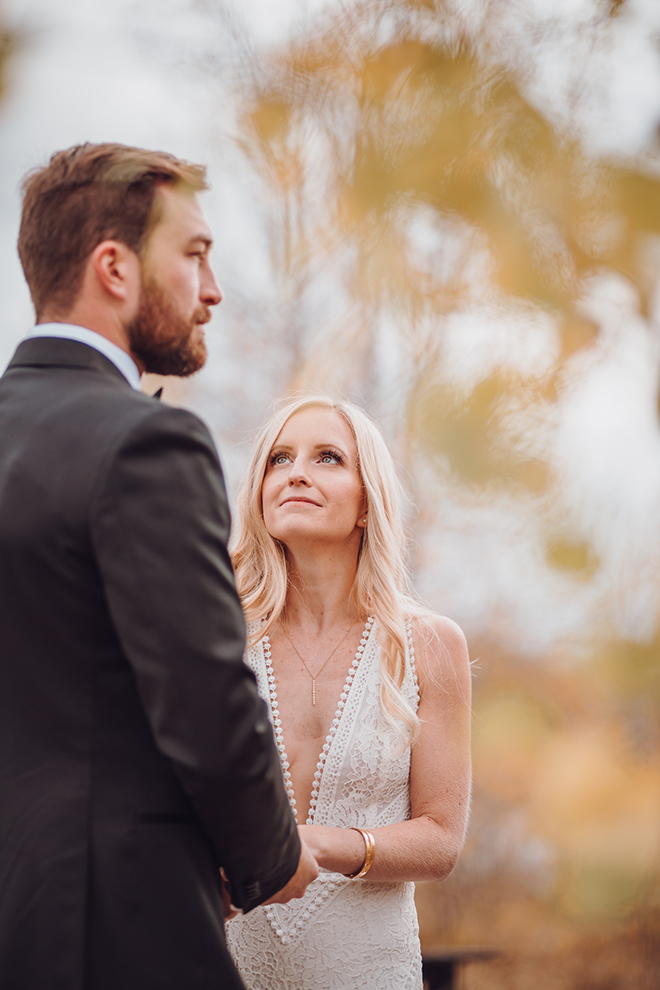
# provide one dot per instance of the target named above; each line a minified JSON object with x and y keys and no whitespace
{"x":68,"y":331}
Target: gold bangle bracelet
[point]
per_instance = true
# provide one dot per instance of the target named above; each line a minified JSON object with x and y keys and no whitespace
{"x":370,"y":852}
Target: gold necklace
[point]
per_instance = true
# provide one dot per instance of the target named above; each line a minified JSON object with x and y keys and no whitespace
{"x":321,"y":668}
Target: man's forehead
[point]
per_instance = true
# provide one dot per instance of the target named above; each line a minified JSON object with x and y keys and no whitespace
{"x":179,"y":207}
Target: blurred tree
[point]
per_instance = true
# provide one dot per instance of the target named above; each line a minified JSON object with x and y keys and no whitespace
{"x":7,"y":47}
{"x":411,"y":177}
{"x":402,"y":152}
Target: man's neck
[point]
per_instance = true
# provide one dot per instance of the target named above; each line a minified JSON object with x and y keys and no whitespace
{"x":105,"y":324}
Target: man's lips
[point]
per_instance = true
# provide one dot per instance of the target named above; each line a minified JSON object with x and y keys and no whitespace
{"x":201,"y":317}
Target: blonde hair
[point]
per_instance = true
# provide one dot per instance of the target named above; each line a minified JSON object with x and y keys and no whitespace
{"x":381,"y":587}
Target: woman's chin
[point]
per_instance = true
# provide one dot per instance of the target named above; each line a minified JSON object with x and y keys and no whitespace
{"x":306,"y":532}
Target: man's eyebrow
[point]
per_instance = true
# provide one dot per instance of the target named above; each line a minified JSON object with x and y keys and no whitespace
{"x":201,"y":238}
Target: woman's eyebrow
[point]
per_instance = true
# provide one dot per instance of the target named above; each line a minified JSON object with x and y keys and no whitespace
{"x":286,"y":448}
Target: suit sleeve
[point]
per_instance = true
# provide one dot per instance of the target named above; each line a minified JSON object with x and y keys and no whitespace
{"x":160,"y":525}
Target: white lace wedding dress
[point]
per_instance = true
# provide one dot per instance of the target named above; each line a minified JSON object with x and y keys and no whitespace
{"x":343,"y":934}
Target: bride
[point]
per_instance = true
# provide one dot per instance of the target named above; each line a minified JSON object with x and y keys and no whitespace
{"x":369,"y":696}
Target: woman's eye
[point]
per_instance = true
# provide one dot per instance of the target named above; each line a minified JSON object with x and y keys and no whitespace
{"x":278,"y":459}
{"x":329,"y":457}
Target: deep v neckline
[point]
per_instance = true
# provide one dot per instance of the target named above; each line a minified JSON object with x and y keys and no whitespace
{"x":334,"y":726}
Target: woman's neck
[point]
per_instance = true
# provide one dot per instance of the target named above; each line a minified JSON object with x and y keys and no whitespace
{"x":319,"y":594}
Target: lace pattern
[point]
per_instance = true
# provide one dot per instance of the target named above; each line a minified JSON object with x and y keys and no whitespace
{"x":342,"y":934}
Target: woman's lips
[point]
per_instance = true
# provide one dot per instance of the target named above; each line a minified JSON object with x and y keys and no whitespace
{"x":300,"y":498}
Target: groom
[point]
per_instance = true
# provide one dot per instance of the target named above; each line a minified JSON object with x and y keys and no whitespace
{"x":136,"y":758}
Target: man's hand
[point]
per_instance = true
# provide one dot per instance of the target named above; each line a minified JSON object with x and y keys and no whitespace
{"x":229,"y":910}
{"x":307,"y":871}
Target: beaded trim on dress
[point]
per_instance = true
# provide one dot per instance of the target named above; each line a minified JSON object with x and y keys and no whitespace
{"x":327,"y":888}
{"x":277,"y":722}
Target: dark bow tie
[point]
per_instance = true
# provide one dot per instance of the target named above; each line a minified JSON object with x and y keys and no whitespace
{"x":157,"y":394}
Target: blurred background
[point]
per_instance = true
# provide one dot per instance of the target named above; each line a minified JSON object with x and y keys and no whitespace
{"x":448,"y":212}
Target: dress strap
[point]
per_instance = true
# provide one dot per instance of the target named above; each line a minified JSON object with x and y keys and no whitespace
{"x":410,"y":656}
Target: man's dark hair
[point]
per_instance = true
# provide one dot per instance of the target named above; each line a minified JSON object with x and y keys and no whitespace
{"x":86,"y":195}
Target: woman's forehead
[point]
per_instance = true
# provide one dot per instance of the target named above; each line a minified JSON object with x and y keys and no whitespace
{"x":318,"y":425}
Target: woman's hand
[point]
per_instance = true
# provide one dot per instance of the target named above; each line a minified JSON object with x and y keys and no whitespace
{"x":340,"y":850}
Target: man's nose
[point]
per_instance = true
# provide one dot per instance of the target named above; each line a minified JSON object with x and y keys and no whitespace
{"x":210,"y":292}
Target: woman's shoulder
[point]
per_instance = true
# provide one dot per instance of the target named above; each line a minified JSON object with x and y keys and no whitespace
{"x":253,"y":627}
{"x":255,"y":644}
{"x":429,"y":626}
{"x":440,"y":645}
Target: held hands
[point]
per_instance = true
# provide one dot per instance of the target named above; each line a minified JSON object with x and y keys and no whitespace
{"x":340,"y":850}
{"x":307,"y":871}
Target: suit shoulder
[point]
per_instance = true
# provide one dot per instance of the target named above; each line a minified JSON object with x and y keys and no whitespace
{"x":158,"y":445}
{"x":133,"y":412}
{"x":159,"y":418}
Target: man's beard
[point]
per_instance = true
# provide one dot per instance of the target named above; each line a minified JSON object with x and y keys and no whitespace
{"x":162,"y":338}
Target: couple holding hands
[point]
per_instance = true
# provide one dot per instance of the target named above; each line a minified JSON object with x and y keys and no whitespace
{"x":187,"y":803}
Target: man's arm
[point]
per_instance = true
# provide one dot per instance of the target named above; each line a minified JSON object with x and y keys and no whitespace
{"x":160,"y":525}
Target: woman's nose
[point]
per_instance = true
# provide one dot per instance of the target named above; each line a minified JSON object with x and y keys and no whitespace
{"x":298,"y":475}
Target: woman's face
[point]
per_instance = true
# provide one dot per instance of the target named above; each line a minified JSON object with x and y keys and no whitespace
{"x":312,"y":489}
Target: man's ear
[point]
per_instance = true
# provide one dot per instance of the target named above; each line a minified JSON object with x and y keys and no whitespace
{"x":117,"y":269}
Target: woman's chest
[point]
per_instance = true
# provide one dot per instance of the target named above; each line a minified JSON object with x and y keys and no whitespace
{"x":306,"y":709}
{"x":341,"y":753}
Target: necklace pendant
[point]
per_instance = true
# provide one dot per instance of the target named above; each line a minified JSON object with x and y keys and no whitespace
{"x":313,"y":690}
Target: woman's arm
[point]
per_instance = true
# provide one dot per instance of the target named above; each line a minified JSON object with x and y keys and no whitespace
{"x":427,"y":846}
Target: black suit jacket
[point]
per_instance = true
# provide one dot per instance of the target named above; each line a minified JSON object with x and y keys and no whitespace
{"x":135,"y":755}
